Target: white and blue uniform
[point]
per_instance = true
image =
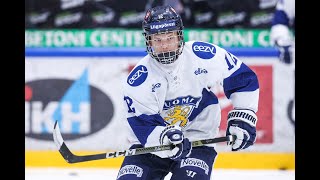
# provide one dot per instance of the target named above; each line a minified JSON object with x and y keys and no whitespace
{"x":181,"y":94}
{"x":169,"y":99}
{"x":283,"y":20}
{"x":284,"y":13}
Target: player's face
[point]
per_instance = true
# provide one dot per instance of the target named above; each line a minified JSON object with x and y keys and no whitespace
{"x":165,"y":42}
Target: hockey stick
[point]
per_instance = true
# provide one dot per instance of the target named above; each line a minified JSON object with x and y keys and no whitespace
{"x":72,"y":158}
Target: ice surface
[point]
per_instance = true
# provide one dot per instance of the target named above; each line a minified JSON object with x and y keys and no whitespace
{"x":111,"y":174}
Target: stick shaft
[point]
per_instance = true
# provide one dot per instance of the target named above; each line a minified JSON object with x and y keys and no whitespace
{"x":72,"y":158}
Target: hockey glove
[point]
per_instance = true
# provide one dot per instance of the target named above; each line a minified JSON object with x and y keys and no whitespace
{"x":242,"y":123}
{"x":285,"y":49}
{"x":174,"y":135}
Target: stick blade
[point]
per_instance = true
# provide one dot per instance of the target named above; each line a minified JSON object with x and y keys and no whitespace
{"x":62,"y":147}
{"x":57,"y":138}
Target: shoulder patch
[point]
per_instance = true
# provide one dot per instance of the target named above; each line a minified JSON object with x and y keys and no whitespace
{"x":137,"y":76}
{"x":203,"y":50}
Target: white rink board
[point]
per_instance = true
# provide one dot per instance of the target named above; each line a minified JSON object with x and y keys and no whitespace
{"x":106,"y":74}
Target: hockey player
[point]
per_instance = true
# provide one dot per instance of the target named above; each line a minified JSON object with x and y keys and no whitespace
{"x":283,"y":21}
{"x":169,"y":99}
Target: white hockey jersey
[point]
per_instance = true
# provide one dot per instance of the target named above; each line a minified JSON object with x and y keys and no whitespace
{"x":157,"y":95}
{"x":283,"y":20}
{"x":286,"y":12}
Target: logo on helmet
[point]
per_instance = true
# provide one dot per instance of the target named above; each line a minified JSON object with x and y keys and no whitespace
{"x":162,"y":25}
{"x":204,"y":50}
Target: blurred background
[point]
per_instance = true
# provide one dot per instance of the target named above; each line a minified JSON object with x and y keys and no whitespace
{"x":78,"y":52}
{"x":82,"y":14}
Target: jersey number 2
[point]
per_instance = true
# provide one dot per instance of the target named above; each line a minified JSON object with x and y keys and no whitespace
{"x":129,"y":102}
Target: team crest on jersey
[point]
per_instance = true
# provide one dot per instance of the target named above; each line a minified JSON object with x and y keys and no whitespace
{"x":137,"y":76}
{"x":204,"y":50}
{"x":177,"y":111}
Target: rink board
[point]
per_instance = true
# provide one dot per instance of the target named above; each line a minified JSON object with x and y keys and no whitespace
{"x":274,"y":148}
{"x":230,"y":160}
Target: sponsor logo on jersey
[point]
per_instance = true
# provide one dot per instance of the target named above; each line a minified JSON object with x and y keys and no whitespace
{"x":195,"y":163}
{"x":154,"y":86}
{"x":177,"y":111}
{"x":137,"y":76}
{"x":200,"y":71}
{"x":130,"y":169}
{"x":78,"y":106}
{"x":204,"y":50}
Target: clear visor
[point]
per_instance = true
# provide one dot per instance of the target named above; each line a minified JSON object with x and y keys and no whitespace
{"x":165,"y":47}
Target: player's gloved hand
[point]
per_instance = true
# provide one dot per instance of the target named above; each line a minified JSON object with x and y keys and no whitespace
{"x":242,"y":123}
{"x":173,"y":135}
{"x":285,"y":49}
